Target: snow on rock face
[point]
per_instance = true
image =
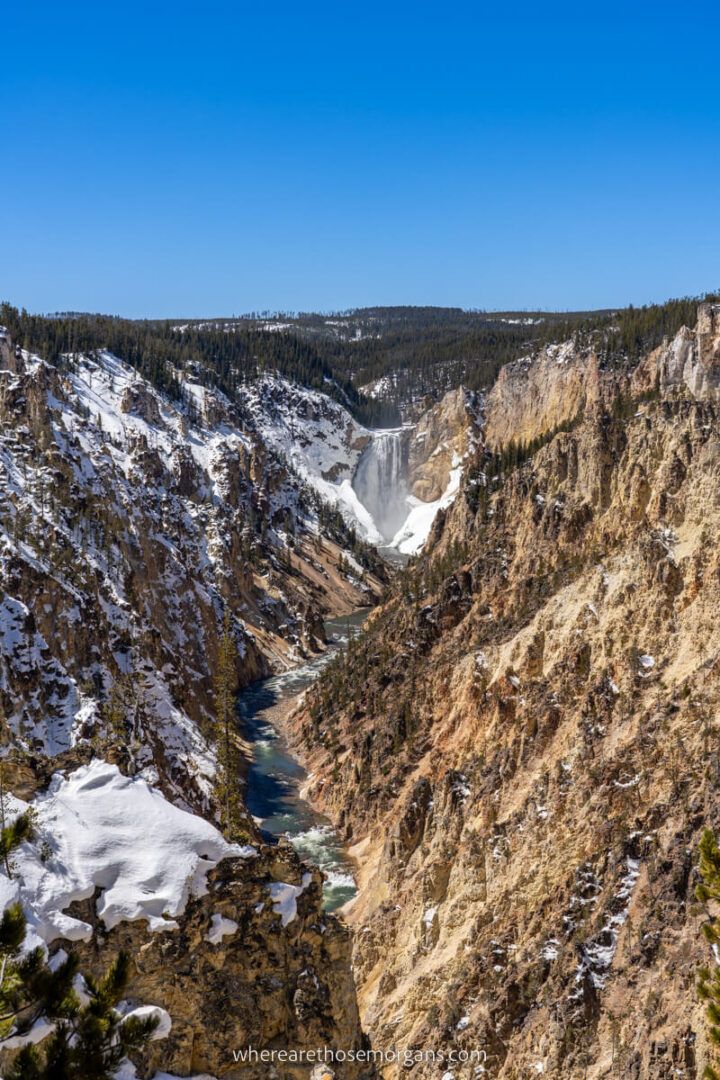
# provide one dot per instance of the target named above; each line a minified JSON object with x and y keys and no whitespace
{"x":142,"y":1012}
{"x":410,"y":538}
{"x":318,"y":436}
{"x":98,"y":829}
{"x":39,"y":1031}
{"x":220,"y":927}
{"x":284,"y":897}
{"x":24,"y":655}
{"x":365,"y":473}
{"x":126,"y":516}
{"x":132,"y":414}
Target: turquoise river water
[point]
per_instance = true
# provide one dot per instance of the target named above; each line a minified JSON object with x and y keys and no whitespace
{"x":275,"y":776}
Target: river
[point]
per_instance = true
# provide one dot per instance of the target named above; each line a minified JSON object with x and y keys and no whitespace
{"x":275,"y":775}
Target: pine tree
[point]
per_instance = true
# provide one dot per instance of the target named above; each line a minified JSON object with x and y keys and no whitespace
{"x":4,"y":808}
{"x":120,"y":712}
{"x":709,"y":982}
{"x":89,"y":1041}
{"x":28,"y":987}
{"x":12,"y":833}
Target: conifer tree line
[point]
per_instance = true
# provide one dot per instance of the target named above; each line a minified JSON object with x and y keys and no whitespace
{"x":627,"y":334}
{"x":214,"y":357}
{"x":418,"y":352}
{"x":427,"y":350}
{"x":227,"y":783}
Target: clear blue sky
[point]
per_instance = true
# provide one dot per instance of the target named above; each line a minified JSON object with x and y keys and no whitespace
{"x":168,"y":159}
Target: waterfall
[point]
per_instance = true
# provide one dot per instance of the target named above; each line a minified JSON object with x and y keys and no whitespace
{"x":380,"y":481}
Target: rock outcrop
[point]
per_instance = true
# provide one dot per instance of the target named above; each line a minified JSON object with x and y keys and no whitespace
{"x":555,"y":387}
{"x":690,"y":363}
{"x":441,"y":439}
{"x":238,"y":975}
{"x":539,"y":393}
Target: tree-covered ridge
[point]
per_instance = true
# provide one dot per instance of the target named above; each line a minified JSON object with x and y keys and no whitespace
{"x":402,"y":354}
{"x":443,"y":348}
{"x":211,"y":355}
{"x":419,"y":351}
{"x":376,"y":361}
{"x":629,"y":333}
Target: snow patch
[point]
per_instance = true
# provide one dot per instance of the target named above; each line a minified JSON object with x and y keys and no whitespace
{"x":143,"y":1012}
{"x":220,"y":927}
{"x":414,"y":532}
{"x":100,"y":830}
{"x":284,"y":897}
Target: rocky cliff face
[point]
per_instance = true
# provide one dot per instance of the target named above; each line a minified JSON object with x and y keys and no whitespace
{"x":264,"y":983}
{"x":691,"y":363}
{"x":527,"y":769}
{"x":406,"y":475}
{"x":539,"y":393}
{"x":238,"y":974}
{"x":379,"y":480}
{"x":442,"y":438}
{"x":229,"y":943}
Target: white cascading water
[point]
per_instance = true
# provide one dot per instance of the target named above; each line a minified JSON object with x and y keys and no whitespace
{"x":380,"y":481}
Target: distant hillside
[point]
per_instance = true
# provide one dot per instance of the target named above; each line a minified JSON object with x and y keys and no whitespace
{"x":399,"y":355}
{"x":402,"y":354}
{"x":376,"y":361}
{"x":219,"y":356}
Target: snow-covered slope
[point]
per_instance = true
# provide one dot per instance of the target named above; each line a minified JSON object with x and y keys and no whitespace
{"x":131,"y":522}
{"x":320,"y":438}
{"x":100,"y":830}
{"x":412,"y":534}
{"x":220,"y":935}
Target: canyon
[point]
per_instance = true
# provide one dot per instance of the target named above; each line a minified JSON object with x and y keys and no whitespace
{"x":131,"y":522}
{"x":517,"y":753}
